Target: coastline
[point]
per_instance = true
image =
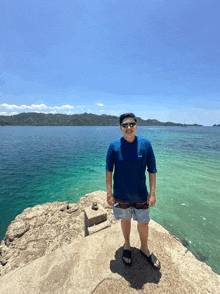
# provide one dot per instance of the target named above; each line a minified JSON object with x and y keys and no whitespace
{"x":54,"y":233}
{"x":25,"y":227}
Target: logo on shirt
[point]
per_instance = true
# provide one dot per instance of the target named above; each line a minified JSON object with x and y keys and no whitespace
{"x":139,"y":155}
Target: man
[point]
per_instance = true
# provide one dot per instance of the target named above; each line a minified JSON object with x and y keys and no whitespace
{"x":129,"y":156}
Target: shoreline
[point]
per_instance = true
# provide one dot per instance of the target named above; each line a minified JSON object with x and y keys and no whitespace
{"x":47,"y":251}
{"x":35,"y":218}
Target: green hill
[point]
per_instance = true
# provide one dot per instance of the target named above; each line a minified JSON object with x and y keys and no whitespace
{"x":84,"y":119}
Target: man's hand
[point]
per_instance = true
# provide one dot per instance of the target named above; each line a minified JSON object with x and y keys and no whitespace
{"x":110,"y":200}
{"x":151,"y":199}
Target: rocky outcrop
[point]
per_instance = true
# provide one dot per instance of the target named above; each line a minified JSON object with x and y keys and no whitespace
{"x":41,"y":229}
{"x":94,"y":265}
{"x":46,"y":250}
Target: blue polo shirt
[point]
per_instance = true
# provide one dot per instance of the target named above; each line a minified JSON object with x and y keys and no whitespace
{"x":129,"y":161}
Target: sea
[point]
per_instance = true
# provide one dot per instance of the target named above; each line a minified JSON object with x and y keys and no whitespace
{"x":40,"y":164}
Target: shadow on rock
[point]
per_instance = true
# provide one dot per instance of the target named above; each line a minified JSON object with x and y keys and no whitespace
{"x":139,"y":273}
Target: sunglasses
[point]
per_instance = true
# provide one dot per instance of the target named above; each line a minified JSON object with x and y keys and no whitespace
{"x":133,"y":124}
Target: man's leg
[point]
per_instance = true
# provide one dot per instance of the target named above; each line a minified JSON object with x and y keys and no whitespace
{"x":143,"y":232}
{"x":126,"y":229}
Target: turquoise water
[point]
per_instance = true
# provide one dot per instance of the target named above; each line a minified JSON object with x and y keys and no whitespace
{"x":46,"y":164}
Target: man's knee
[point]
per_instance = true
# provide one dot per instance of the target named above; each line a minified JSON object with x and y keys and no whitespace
{"x":125,"y":220}
{"x":143,"y":224}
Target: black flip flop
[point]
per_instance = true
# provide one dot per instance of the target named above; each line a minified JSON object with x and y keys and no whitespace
{"x":151,"y":259}
{"x":127,"y":254}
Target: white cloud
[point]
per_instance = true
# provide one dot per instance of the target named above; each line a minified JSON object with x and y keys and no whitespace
{"x":13,"y":113}
{"x":100,"y":104}
{"x":7,"y":106}
{"x":33,"y":106}
{"x":81,"y":106}
{"x":36,"y":106}
{"x":5,"y":113}
{"x":101,"y":110}
{"x":62,"y":107}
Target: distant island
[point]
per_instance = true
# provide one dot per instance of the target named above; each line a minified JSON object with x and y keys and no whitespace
{"x":84,"y":119}
{"x":216,"y":125}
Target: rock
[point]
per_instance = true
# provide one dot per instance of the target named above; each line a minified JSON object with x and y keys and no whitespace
{"x":73,"y":207}
{"x":16,"y":230}
{"x":41,"y":229}
{"x":95,"y":228}
{"x":46,"y":250}
{"x":95,"y":216}
{"x":94,"y":265}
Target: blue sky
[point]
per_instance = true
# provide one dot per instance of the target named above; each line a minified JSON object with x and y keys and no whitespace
{"x":158,"y":59}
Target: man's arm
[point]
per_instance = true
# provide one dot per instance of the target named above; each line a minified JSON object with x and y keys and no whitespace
{"x":152,"y":197}
{"x":109,"y":182}
{"x":110,"y":198}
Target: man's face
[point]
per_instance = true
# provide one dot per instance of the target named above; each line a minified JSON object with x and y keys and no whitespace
{"x":128,"y":133}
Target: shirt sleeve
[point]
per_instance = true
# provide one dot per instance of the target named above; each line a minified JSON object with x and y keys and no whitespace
{"x":151,"y":161}
{"x":110,"y":158}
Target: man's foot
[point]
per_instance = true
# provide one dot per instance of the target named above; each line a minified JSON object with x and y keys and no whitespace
{"x":127,"y":246}
{"x":155,"y":262}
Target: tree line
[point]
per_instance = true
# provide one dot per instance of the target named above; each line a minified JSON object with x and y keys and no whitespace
{"x":84,"y":119}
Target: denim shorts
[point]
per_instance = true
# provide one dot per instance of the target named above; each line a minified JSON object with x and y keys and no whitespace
{"x":125,"y":212}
